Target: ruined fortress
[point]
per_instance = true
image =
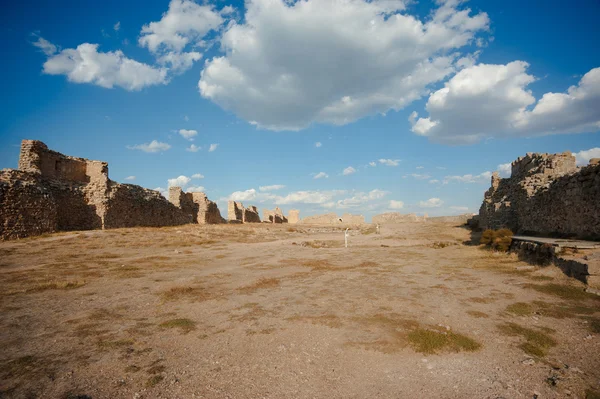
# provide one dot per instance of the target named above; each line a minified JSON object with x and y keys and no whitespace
{"x":546,"y":194}
{"x":52,"y":192}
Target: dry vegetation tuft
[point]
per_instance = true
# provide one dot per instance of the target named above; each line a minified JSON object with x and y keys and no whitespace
{"x":536,"y":343}
{"x":185,"y":325}
{"x":260,"y":284}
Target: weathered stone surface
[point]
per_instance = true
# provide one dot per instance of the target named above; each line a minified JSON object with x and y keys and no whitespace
{"x":547,"y":195}
{"x":197,"y":206}
{"x":274,"y":216}
{"x":396,"y":217}
{"x":293,"y":216}
{"x":332,"y":219}
{"x":54,"y":192}
{"x":238,"y":214}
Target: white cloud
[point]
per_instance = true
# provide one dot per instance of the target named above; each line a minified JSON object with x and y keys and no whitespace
{"x":198,"y":176}
{"x":308,"y":197}
{"x":396,"y":204}
{"x":193,"y":148}
{"x":469,"y":178}
{"x":117,"y":26}
{"x":227,"y":10}
{"x":186,"y":118}
{"x":434,"y":181}
{"x":348,"y":171}
{"x":318,"y":144}
{"x":485,"y":101}
{"x":243,"y":195}
{"x":431,"y":203}
{"x":505,"y":169}
{"x":389,"y":162}
{"x":583,"y":157}
{"x":184,"y":24}
{"x":420,"y":176}
{"x":153,"y":146}
{"x":358,"y":199}
{"x":86,"y":65}
{"x":372,"y":164}
{"x":130,"y":178}
{"x":180,"y":181}
{"x":420,"y":167}
{"x":194,"y":189}
{"x":321,"y":175}
{"x":271,"y":188}
{"x":44,"y":45}
{"x":213,"y":147}
{"x":290,"y":64}
{"x":188,"y":134}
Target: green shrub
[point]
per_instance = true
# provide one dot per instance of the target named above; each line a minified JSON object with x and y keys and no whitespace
{"x":499,"y":240}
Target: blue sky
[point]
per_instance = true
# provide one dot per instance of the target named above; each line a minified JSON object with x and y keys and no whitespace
{"x":435,"y":95}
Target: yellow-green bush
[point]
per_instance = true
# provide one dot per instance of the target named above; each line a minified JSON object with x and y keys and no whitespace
{"x":497,"y":239}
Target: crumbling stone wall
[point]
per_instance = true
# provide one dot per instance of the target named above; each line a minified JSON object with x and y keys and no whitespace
{"x":129,"y":205}
{"x":235,"y":212}
{"x":274,"y":216}
{"x":251,"y":215}
{"x":26,"y":207}
{"x":396,"y":217}
{"x":546,"y":194}
{"x":332,"y":218}
{"x":54,"y":192}
{"x":196,"y":205}
{"x":293,"y":216}
{"x":208,"y":211}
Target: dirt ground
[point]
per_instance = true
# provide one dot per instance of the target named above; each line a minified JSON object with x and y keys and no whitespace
{"x":284,"y":311}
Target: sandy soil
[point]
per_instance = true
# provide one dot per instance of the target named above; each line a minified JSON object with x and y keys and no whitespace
{"x":263,"y":311}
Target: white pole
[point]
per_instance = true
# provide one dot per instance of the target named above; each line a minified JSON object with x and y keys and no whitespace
{"x":346,"y":237}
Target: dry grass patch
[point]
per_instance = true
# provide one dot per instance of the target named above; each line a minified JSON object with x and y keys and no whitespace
{"x":478,"y":299}
{"x":185,"y":325}
{"x":434,"y":340}
{"x":520,"y":309}
{"x":107,"y":345}
{"x":323,"y":244}
{"x":478,"y":314}
{"x":329,"y":320}
{"x":154,"y":380}
{"x":563,"y":291}
{"x":262,"y":283}
{"x":536,"y":343}
{"x":50,"y":285}
{"x":186,"y":292}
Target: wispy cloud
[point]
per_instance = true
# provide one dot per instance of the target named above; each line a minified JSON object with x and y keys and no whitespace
{"x":348,"y":171}
{"x":193,"y":148}
{"x":431,"y":203}
{"x":321,"y":175}
{"x":213,"y":147}
{"x":271,"y":188}
{"x":151,"y":147}
{"x":389,"y":162}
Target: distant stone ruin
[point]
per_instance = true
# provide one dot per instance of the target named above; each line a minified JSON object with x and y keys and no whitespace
{"x":396,"y":217}
{"x":274,"y":216}
{"x":53,"y":192}
{"x":293,"y":216}
{"x":236,"y":213}
{"x":196,"y":205}
{"x":333,"y":219}
{"x":546,"y":194}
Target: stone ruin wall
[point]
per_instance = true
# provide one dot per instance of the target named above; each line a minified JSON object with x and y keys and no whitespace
{"x":53,"y":192}
{"x":333,"y":219}
{"x":546,"y":194}
{"x":26,"y":206}
{"x":198,"y":208}
{"x":236,"y":213}
{"x":274,"y":216}
{"x":293,"y":216}
{"x":397,"y":217}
